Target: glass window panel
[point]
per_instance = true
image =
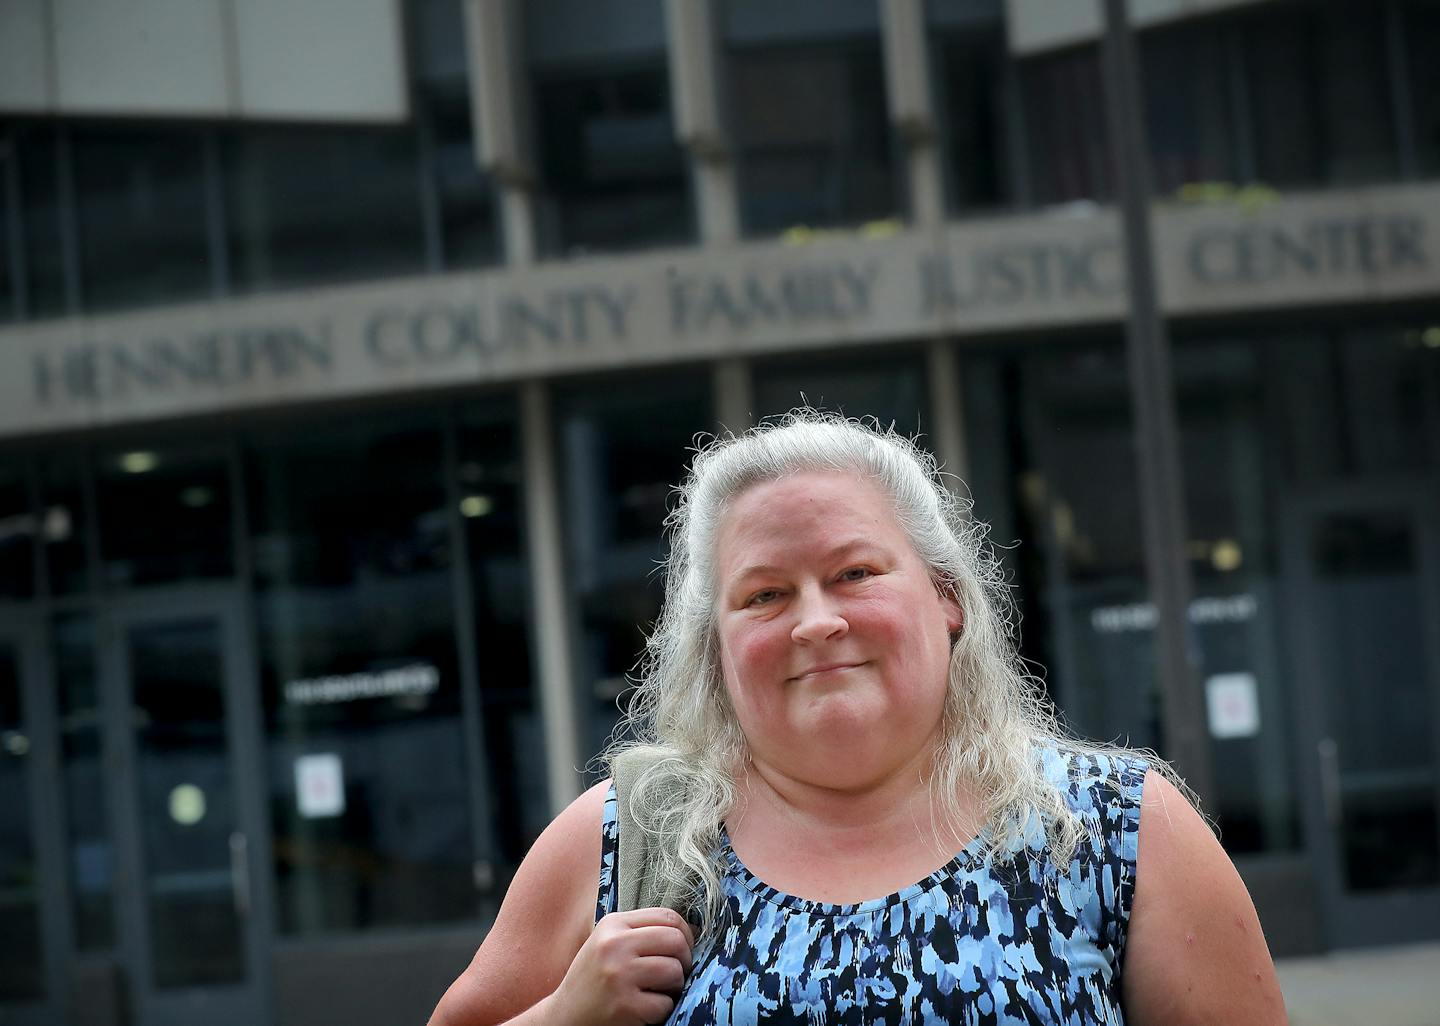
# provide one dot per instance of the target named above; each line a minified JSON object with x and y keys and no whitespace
{"x":18,"y":526}
{"x":21,"y":971}
{"x":187,"y":805}
{"x":1068,"y":142}
{"x":492,"y":511}
{"x":969,"y":71}
{"x":1372,"y":628}
{"x":1421,"y":21}
{"x":316,"y":204}
{"x":64,"y":520}
{"x":165,"y":514}
{"x":890,"y":388}
{"x":10,"y":222}
{"x":1319,"y":93}
{"x":613,"y":175}
{"x":140,"y":198}
{"x":1189,"y":126}
{"x":38,"y":149}
{"x":360,"y":676}
{"x":622,"y":451}
{"x":823,"y":157}
{"x":92,"y":857}
{"x":467,"y":195}
{"x":1237,"y":615}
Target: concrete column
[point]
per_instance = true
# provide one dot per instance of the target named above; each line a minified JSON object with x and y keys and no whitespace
{"x":690,"y":29}
{"x":947,"y":409}
{"x":500,"y":112}
{"x":912,"y":112}
{"x":733,"y":394}
{"x":544,"y":546}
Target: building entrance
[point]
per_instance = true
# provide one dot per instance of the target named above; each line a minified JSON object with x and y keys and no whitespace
{"x":30,"y":899}
{"x":183,"y":724}
{"x":1363,"y":565}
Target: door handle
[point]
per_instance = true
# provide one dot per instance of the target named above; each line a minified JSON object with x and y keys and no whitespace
{"x":240,"y":874}
{"x":1330,"y":793}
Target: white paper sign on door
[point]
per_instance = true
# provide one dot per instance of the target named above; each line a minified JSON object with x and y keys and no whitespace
{"x":1232,"y":705}
{"x":319,"y":785}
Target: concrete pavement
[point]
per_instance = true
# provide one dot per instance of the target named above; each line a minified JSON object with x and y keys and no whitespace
{"x":1397,"y":986}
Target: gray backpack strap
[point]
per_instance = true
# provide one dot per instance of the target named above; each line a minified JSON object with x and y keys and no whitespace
{"x":637,"y":885}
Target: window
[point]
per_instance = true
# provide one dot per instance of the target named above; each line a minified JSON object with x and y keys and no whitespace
{"x":1187,"y":77}
{"x":17,"y":534}
{"x":621,"y":453}
{"x":1067,"y":139}
{"x":1319,"y":94}
{"x":92,"y":857}
{"x":140,"y":196}
{"x":164,"y":514}
{"x":359,"y":671}
{"x":612,"y":175}
{"x":823,"y":157}
{"x":318,"y":204}
{"x":1064,"y":483}
{"x":492,"y":511}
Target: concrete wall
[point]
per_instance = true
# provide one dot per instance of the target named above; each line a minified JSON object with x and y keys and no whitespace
{"x":281,"y":59}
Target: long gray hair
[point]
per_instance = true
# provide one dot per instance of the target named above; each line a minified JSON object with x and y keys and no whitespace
{"x":996,"y":717}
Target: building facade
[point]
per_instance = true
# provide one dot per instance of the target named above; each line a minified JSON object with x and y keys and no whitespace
{"x":349,"y":350}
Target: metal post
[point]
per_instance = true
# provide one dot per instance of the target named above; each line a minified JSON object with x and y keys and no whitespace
{"x":1157,"y":444}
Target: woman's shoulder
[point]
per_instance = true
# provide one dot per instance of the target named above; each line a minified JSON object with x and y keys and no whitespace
{"x":1089,"y":775}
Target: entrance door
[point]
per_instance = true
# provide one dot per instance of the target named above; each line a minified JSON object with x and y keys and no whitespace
{"x":1364,"y":564}
{"x":192,"y":833}
{"x":31,"y":905}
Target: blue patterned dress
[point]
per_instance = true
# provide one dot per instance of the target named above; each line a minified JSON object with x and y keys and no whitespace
{"x":976,"y":942}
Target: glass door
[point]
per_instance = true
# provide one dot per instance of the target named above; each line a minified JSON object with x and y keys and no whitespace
{"x":192,"y":837}
{"x":1364,"y":565}
{"x":31,"y":917}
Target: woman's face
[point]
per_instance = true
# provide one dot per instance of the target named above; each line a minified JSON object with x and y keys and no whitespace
{"x":834,"y":640}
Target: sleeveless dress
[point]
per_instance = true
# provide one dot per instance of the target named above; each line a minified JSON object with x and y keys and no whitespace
{"x":976,"y":942}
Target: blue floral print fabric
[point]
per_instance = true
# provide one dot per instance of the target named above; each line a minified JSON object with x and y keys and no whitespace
{"x":979,"y":941}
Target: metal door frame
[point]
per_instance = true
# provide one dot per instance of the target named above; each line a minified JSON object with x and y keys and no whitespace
{"x":253,"y":1001}
{"x":1401,"y":914}
{"x":24,"y":630}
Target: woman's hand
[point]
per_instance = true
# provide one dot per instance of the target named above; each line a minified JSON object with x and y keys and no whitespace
{"x":628,"y":972}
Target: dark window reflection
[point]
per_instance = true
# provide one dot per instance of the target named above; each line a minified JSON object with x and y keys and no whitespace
{"x":890,"y":388}
{"x":316,"y":204}
{"x":10,"y":221}
{"x":1371,"y":604}
{"x":492,"y":512}
{"x":64,"y":521}
{"x":140,"y":196}
{"x":1320,"y":93}
{"x":92,"y":860}
{"x":187,"y":802}
{"x":621,"y":451}
{"x":1187,"y":79}
{"x":165,"y":514}
{"x":21,"y":971}
{"x":824,"y":156}
{"x":360,"y":674}
{"x":969,"y":76}
{"x":1068,"y":144}
{"x":38,"y":148}
{"x":613,"y":175}
{"x":467,"y":196}
{"x":18,"y":527}
{"x":1062,"y":421}
{"x":1421,"y":21}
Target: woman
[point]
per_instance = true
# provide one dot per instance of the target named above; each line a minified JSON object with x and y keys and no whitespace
{"x":842,"y":711}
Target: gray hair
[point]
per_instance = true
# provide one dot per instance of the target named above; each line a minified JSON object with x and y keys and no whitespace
{"x":996,"y":719}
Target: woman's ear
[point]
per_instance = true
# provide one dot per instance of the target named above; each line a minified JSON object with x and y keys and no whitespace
{"x":954,"y":612}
